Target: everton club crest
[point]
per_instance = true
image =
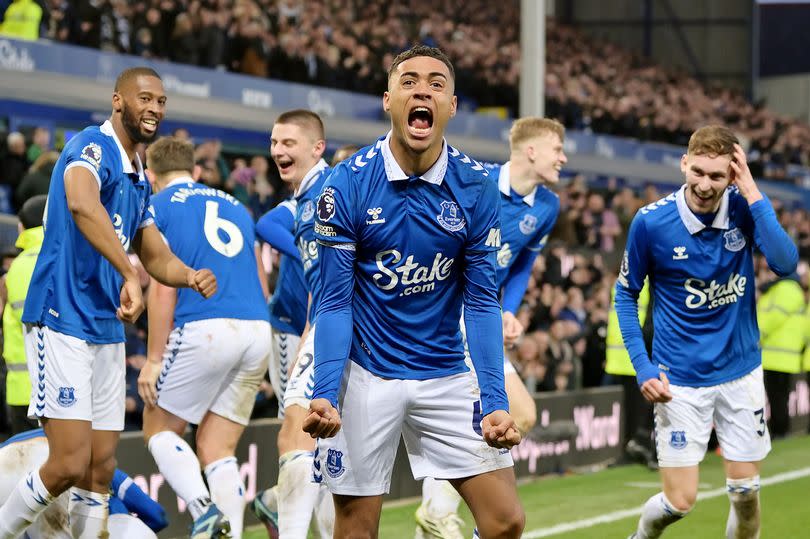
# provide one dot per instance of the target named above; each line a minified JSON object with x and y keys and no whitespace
{"x":334,"y":463}
{"x":735,"y":240}
{"x":450,"y":218}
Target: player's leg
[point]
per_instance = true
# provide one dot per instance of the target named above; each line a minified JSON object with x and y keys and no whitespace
{"x":745,"y":441}
{"x":61,"y":373}
{"x":124,"y":526}
{"x":683,"y":427}
{"x":356,"y":464}
{"x":297,"y":495}
{"x":442,"y":431}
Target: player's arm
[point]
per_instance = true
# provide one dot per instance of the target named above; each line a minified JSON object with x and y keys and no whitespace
{"x":482,"y":317}
{"x":160,"y":304}
{"x":514,"y":288}
{"x":770,"y":238}
{"x":83,"y":195}
{"x":653,"y":383}
{"x":163,"y":265}
{"x":276,"y":228}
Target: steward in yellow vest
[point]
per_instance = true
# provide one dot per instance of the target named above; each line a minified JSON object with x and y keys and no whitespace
{"x":15,"y":284}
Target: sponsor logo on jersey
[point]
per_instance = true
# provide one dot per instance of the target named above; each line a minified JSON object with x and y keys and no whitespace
{"x":118,"y":225}
{"x":493,"y":238}
{"x":309,"y":252}
{"x":308,"y":211}
{"x":528,"y":224}
{"x":67,"y":397}
{"x":92,"y":154}
{"x":374,"y":213}
{"x":504,"y":255}
{"x":415,"y":277}
{"x":326,"y":205}
{"x":714,"y":294}
{"x":677,"y":439}
{"x":334,"y":463}
{"x":450,"y":217}
{"x":735,"y":240}
{"x":624,"y":271}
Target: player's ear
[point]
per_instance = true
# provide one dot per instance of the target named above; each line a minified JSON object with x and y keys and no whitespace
{"x":453,"y":105}
{"x":320,"y":147}
{"x":684,"y":159}
{"x":196,"y":173}
{"x":386,"y":101}
{"x":117,"y":102}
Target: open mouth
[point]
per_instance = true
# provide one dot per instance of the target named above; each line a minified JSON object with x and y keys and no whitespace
{"x":284,"y":166}
{"x":149,"y":125}
{"x":420,"y":122}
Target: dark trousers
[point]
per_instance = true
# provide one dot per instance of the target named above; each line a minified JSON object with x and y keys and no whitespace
{"x":638,"y":413}
{"x":18,"y":418}
{"x":777,"y":386}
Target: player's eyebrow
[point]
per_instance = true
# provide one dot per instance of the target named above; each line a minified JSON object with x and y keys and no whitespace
{"x":715,"y":174}
{"x":430,"y":75}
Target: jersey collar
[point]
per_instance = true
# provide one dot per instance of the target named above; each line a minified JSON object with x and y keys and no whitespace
{"x":506,"y":188}
{"x":179,"y":180}
{"x":310,"y":178}
{"x":394,"y":172}
{"x":126,"y":164}
{"x":692,"y":223}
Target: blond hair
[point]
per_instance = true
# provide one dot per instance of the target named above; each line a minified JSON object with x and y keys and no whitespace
{"x":524,"y":129}
{"x":712,"y":140}
{"x":170,"y":154}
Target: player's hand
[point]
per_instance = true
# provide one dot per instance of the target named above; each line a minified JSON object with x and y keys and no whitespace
{"x":147,"y":381}
{"x":657,"y":389}
{"x":741,"y":176}
{"x":512,"y":329}
{"x":131,"y":301}
{"x":202,"y":281}
{"x":323,"y":420}
{"x":499,"y":430}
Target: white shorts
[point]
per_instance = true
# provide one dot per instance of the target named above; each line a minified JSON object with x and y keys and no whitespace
{"x":282,"y":351}
{"x":214,"y":365}
{"x":508,"y":368}
{"x":74,"y":379}
{"x":302,"y":379}
{"x":439,"y":419}
{"x":736,"y":409}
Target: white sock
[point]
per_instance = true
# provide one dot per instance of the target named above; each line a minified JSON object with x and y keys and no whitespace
{"x":325,"y":513}
{"x":28,"y":499}
{"x":88,"y":514}
{"x":658,"y":513}
{"x":181,"y":468}
{"x":228,"y":491}
{"x":297,"y":494}
{"x":439,"y":498}
{"x":123,"y":526}
{"x":743,"y":515}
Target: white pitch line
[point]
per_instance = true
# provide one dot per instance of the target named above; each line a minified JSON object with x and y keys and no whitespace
{"x":626,"y":513}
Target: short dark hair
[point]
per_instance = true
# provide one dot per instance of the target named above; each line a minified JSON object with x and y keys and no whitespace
{"x":129,"y":74}
{"x":422,"y":50}
{"x":33,"y":211}
{"x":305,"y":119}
{"x":168,"y":154}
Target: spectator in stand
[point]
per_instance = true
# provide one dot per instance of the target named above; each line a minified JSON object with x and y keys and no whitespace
{"x":40,"y":142}
{"x":38,"y":179}
{"x":183,"y":45}
{"x":21,"y":20}
{"x":15,"y":163}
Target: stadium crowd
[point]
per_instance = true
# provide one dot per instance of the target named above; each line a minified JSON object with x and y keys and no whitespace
{"x":349,"y":44}
{"x":565,"y":310}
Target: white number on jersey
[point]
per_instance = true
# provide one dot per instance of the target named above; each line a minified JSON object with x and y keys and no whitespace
{"x":213,"y":224}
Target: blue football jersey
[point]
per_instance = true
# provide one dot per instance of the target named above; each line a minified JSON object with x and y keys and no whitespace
{"x":423,"y":247}
{"x":305,"y":198}
{"x":74,"y":290}
{"x":208,"y":228}
{"x":288,"y":306}
{"x":702,"y":281}
{"x":526,"y":221}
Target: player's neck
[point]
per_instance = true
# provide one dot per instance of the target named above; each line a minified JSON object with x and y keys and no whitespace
{"x":415,"y":163}
{"x":127,"y":143}
{"x":521,"y":179}
{"x":164,"y":180}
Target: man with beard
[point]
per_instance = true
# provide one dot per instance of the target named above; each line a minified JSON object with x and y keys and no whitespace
{"x":409,"y":232}
{"x":696,"y":245}
{"x":82,"y":288}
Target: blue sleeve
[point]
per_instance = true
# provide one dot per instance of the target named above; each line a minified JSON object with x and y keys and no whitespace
{"x":334,"y":232}
{"x":276,"y":228}
{"x":85,"y":151}
{"x":514,"y":288}
{"x":772,"y":240}
{"x":482,"y":312}
{"x":634,"y":268}
{"x":136,"y":501}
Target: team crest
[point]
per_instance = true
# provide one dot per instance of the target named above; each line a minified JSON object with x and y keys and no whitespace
{"x":677,"y":439}
{"x":450,"y":218}
{"x":528,"y":224}
{"x":326,"y":205}
{"x":735,"y":240}
{"x":66,"y":397}
{"x":92,"y":154}
{"x":308,"y":211}
{"x":334,"y":463}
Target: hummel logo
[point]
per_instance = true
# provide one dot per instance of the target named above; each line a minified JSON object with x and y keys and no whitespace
{"x":680,"y":253}
{"x":374,"y":213}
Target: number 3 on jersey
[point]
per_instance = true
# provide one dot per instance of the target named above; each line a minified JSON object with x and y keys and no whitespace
{"x":212,"y":226}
